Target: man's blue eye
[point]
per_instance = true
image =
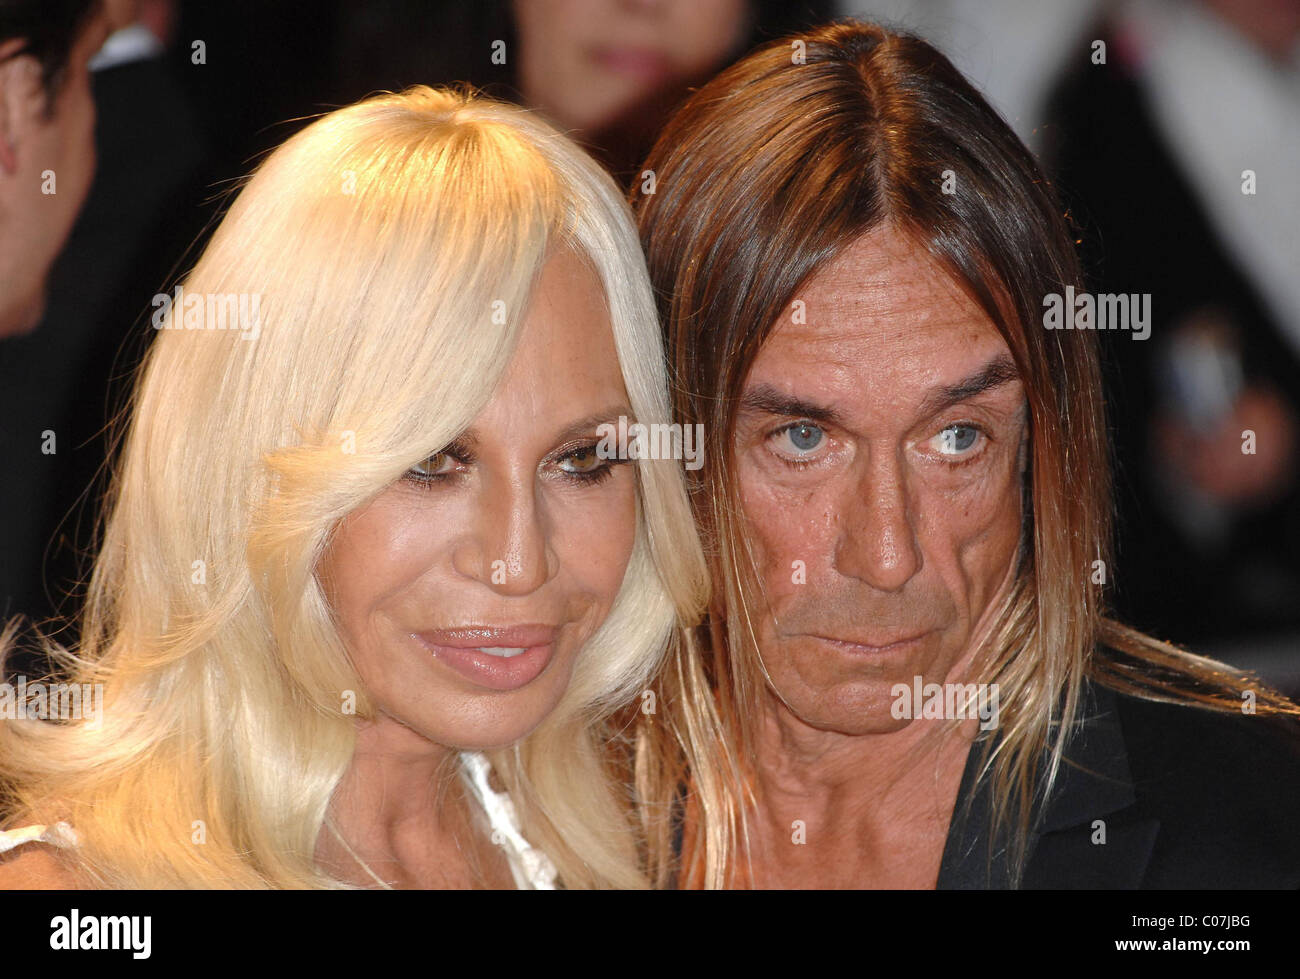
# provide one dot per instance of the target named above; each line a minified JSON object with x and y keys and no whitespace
{"x":956,"y":439}
{"x":805,"y":437}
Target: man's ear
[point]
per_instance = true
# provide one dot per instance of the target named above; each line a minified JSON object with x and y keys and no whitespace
{"x":21,"y":99}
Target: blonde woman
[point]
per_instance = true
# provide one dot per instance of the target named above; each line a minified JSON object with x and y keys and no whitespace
{"x":368,"y":591}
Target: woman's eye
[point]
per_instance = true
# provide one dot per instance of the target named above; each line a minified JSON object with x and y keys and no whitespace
{"x":438,"y":464}
{"x":581,"y":461}
{"x":957,"y":439}
{"x":800,"y":438}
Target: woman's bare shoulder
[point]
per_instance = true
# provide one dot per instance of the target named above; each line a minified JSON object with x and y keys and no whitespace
{"x":35,"y":867}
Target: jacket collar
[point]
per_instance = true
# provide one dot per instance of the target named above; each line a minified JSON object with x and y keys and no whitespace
{"x":1094,"y":782}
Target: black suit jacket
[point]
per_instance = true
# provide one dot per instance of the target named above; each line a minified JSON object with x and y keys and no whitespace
{"x":1188,"y":799}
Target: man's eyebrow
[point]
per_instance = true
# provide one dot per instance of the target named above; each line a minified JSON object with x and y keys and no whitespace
{"x":997,"y":372}
{"x":765,"y":399}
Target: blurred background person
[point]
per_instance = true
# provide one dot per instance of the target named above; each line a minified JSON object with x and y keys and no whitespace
{"x":47,"y":159}
{"x":139,"y":213}
{"x":611,"y":70}
{"x":1014,"y":51}
{"x":1178,"y":156}
{"x":47,"y":118}
{"x":607,"y":71}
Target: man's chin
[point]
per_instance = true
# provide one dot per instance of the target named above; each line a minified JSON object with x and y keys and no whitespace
{"x":856,"y":727}
{"x":851,"y":716}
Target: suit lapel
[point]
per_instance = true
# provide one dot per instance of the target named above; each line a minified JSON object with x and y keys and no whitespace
{"x":1082,"y":837}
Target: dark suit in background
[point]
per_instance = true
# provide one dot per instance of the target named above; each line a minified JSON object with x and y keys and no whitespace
{"x":138,"y":218}
{"x":1144,"y":231}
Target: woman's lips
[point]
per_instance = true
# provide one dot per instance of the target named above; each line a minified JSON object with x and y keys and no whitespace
{"x":499,"y":658}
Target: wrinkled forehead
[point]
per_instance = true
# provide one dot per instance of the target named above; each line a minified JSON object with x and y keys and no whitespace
{"x":882,"y":322}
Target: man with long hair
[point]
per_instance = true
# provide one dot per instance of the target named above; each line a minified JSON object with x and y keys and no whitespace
{"x":908,"y":677}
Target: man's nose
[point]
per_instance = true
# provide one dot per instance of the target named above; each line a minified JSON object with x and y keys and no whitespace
{"x":876,"y":542}
{"x":506,"y":544}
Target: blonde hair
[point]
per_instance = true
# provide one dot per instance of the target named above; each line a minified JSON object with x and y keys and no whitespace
{"x":384,"y":241}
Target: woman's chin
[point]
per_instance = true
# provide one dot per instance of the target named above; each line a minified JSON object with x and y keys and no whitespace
{"x":487,"y":735}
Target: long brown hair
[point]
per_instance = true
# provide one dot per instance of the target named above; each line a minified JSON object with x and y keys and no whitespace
{"x":761,"y":178}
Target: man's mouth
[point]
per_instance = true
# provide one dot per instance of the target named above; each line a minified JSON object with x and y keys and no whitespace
{"x":874,"y":645}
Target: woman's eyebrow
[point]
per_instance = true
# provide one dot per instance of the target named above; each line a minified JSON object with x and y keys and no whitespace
{"x":588,"y":425}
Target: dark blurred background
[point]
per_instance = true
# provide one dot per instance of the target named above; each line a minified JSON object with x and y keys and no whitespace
{"x":1171,"y":128}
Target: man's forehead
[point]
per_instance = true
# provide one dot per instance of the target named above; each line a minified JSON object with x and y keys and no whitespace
{"x":884,"y":306}
{"x":883,"y":325}
{"x":887,"y":286}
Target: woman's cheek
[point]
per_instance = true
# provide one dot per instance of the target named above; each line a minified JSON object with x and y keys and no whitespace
{"x":596,"y":539}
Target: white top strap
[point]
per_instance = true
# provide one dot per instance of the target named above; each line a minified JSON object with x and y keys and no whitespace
{"x":60,"y":834}
{"x":532,"y":869}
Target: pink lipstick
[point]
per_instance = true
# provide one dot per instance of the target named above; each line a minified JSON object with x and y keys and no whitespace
{"x":499,"y":658}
